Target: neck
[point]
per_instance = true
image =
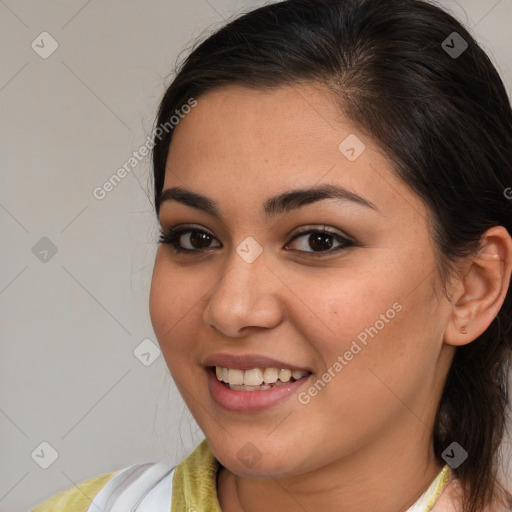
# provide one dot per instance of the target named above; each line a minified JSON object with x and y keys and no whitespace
{"x":389,"y":477}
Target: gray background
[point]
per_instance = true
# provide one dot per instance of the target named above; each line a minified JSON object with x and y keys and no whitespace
{"x":70,"y":322}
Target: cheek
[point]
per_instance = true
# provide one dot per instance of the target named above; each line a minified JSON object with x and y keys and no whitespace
{"x":161,"y":300}
{"x":343,"y":308}
{"x":375,"y":322}
{"x":173,"y":304}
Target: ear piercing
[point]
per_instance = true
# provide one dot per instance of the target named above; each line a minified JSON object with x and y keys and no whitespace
{"x":463,"y":330}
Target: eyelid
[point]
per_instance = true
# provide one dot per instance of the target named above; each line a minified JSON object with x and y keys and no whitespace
{"x":322,"y":228}
{"x":345,"y":241}
{"x":171,"y":236}
{"x":293,"y":232}
{"x":183,"y":228}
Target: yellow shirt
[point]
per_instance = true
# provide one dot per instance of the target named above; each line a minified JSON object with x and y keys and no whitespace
{"x":76,"y":499}
{"x":194,"y":487}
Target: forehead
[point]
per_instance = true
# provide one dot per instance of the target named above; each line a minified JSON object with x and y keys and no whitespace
{"x":236,"y":124}
{"x":243,"y":142}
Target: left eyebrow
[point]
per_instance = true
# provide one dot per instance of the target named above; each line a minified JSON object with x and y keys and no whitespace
{"x":294,"y":199}
{"x":281,"y":203}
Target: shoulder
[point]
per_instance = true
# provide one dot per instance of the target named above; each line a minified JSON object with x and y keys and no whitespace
{"x":146,"y":488}
{"x":452,"y":497}
{"x":149,"y":483}
{"x":77,"y":498}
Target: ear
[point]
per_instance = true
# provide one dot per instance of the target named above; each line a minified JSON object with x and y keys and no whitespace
{"x":481,"y":292}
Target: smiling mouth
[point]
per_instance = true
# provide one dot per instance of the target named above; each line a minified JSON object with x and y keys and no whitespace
{"x":257,"y":379}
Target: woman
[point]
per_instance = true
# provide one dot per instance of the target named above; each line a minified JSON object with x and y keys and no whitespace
{"x":332,"y":287}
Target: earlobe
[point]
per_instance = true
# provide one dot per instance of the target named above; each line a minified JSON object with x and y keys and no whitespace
{"x":482,"y":291}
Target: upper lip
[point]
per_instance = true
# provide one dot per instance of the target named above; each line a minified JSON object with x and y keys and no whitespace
{"x":248,"y":361}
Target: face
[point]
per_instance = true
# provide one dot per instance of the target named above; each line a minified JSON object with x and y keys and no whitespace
{"x":340,"y":285}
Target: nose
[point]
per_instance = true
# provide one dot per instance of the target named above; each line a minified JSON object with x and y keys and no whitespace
{"x":243,"y":298}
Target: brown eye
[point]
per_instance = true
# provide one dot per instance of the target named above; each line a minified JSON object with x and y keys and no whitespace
{"x":315,"y":242}
{"x":187,"y":239}
{"x":320,"y":241}
{"x":197,"y":239}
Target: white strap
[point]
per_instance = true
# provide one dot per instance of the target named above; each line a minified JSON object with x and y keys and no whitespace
{"x":137,"y":488}
{"x":427,"y":500}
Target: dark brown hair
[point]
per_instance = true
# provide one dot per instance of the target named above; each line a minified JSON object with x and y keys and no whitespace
{"x":444,"y":119}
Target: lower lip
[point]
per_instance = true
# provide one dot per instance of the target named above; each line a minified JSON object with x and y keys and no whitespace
{"x":246,"y":401}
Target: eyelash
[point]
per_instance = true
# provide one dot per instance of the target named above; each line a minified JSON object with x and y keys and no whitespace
{"x":172,"y":236}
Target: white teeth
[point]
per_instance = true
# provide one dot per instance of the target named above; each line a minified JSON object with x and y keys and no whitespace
{"x":253,"y":377}
{"x":235,"y":376}
{"x":270,"y":375}
{"x":284,"y":375}
{"x":256,"y":379}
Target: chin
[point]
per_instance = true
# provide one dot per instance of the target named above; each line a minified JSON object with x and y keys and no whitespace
{"x":251,"y":462}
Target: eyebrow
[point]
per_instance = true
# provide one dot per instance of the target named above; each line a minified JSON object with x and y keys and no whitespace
{"x":281,"y":203}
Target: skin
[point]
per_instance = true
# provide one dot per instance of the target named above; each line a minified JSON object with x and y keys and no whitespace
{"x":369,"y":429}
